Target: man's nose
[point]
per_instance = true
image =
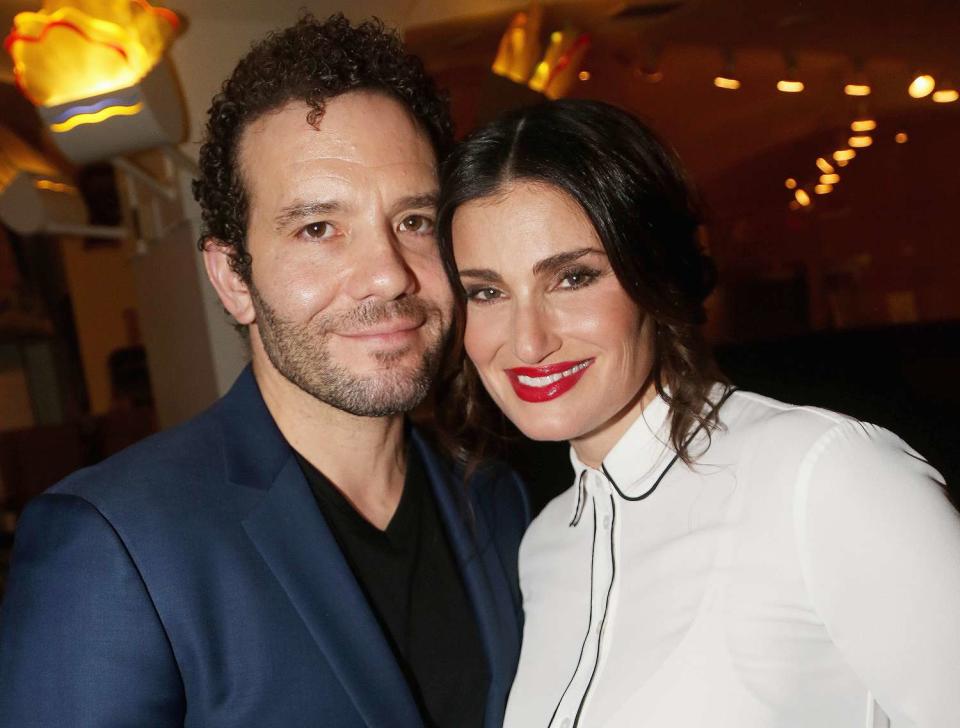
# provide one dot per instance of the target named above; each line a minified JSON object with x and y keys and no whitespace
{"x":534,"y":338}
{"x":380,"y":269}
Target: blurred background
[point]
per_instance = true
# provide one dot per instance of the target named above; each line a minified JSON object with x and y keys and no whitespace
{"x":823,"y":136}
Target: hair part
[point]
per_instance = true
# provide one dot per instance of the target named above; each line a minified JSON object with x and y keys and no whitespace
{"x":312,"y":62}
{"x":634,"y":191}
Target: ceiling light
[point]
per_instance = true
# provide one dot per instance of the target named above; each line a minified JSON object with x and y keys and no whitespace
{"x":790,"y":183}
{"x":945,"y":95}
{"x":790,"y":84}
{"x":901,"y":137}
{"x":863,"y":125}
{"x":857,"y":89}
{"x":802,"y":197}
{"x":922,"y":85}
{"x":584,"y":75}
{"x":824,"y":166}
{"x":823,"y":189}
{"x":844,"y":155}
{"x":859,"y":142}
{"x":727,"y":78}
{"x":843,"y":162}
{"x":829,"y":179}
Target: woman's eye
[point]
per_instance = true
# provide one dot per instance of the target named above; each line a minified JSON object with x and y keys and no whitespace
{"x":578,"y":278}
{"x":317,"y":230}
{"x":482,"y":295}
{"x":416,"y":224}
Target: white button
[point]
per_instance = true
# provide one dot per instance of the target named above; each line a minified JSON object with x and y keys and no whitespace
{"x":565,"y":723}
{"x":606,"y":521}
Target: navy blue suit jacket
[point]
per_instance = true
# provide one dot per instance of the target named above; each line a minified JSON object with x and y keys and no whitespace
{"x":192,"y":580}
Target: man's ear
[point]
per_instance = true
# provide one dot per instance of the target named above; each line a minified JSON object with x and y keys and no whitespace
{"x":233,"y":291}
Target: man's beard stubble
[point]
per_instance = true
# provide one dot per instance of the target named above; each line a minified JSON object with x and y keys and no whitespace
{"x":300,"y":353}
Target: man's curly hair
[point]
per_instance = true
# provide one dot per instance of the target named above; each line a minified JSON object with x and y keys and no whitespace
{"x":311,"y":61}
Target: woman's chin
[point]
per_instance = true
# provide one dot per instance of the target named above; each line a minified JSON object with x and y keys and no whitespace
{"x":545,"y":429}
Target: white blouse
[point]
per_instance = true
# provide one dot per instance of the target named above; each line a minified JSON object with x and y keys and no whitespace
{"x":804,"y":573}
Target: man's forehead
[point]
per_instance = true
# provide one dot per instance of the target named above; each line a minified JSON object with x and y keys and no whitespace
{"x":363,"y":128}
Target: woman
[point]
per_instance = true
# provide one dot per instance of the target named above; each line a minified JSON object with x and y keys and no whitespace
{"x":722,"y":559}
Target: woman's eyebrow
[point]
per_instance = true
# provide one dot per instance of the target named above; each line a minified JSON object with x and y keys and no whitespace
{"x":555,"y":262}
{"x":484,"y":273}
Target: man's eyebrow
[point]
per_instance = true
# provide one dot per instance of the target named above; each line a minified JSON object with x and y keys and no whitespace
{"x":414,"y":202}
{"x":559,"y":260}
{"x":300,"y":210}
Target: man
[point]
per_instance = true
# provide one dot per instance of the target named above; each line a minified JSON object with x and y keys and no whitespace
{"x":296,"y":555}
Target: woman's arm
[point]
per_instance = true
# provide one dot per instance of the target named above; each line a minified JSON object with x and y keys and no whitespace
{"x":880,"y":548}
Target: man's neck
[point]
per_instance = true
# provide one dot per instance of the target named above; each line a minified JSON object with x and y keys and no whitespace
{"x":364,"y":457}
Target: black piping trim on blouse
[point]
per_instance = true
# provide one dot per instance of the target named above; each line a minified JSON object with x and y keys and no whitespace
{"x":606,"y":611}
{"x":673,"y":461}
{"x":583,"y":647}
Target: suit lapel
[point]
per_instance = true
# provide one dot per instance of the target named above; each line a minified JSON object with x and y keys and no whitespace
{"x":483,"y":577}
{"x":292,"y":537}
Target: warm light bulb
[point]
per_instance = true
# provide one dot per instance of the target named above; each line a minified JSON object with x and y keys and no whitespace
{"x":823,"y":189}
{"x":946,"y":95}
{"x":859,"y":142}
{"x":584,"y":75}
{"x":802,"y":197}
{"x":857,"y":89}
{"x":829,"y":179}
{"x":726,"y":82}
{"x":901,"y":137}
{"x":824,"y":166}
{"x":790,"y":87}
{"x":790,"y":183}
{"x":863,"y":125}
{"x":844,"y":155}
{"x":921,"y":86}
{"x":842,"y":162}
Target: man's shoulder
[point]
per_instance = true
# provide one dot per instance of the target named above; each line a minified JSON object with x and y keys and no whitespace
{"x":167,"y":461}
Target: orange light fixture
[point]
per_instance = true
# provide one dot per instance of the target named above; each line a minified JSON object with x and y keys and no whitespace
{"x":77,"y":49}
{"x":946,"y":95}
{"x":823,"y":189}
{"x":901,"y":137}
{"x":857,"y":89}
{"x":801,"y":196}
{"x":921,"y":86}
{"x":829,"y":179}
{"x":790,"y":183}
{"x":844,"y":155}
{"x":726,"y":82}
{"x":862,"y":125}
{"x":824,"y":166}
{"x":860,"y":141}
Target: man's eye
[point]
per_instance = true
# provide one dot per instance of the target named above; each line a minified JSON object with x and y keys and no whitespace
{"x":416,"y":224}
{"x":317,"y":230}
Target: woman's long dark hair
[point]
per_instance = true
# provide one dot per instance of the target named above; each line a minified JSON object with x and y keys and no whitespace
{"x":634,"y":191}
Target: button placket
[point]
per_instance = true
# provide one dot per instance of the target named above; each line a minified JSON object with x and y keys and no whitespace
{"x":571,"y":707}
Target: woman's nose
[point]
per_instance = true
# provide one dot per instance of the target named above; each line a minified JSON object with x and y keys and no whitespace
{"x":533,"y":336}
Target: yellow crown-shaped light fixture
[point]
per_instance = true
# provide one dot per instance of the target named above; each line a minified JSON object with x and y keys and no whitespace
{"x":96,"y":71}
{"x":75,"y":49}
{"x":520,"y":45}
{"x":554,"y":75}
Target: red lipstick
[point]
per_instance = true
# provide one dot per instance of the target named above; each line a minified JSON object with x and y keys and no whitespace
{"x":542,"y":384}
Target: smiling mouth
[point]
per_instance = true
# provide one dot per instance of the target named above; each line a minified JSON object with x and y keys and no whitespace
{"x":542,"y":384}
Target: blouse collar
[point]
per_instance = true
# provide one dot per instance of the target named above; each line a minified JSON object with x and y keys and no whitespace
{"x":633,"y":462}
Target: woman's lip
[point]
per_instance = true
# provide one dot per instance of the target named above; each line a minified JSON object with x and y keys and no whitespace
{"x":545,"y":393}
{"x":547,"y":369}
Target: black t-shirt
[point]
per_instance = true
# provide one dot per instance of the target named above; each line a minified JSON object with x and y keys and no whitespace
{"x":412,"y":583}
